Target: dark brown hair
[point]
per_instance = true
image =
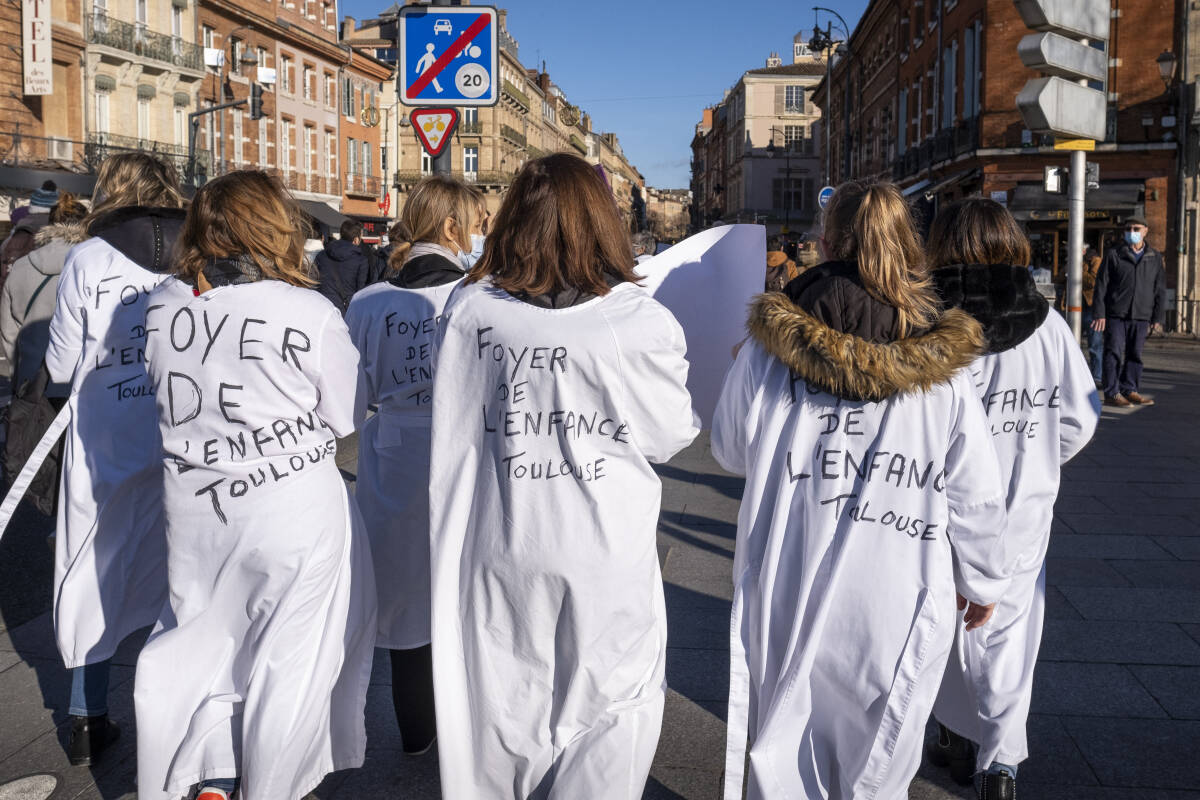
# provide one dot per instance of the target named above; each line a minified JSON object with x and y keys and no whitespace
{"x":67,"y":209}
{"x":870,"y":223}
{"x":977,"y":231}
{"x":245,"y":213}
{"x":557,"y":228}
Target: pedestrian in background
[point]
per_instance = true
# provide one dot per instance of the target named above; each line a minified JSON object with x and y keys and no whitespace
{"x":558,"y":382}
{"x":643,"y":246}
{"x":110,"y":554}
{"x":258,"y":667}
{"x":872,"y":497}
{"x":780,"y":269}
{"x":479,"y":229}
{"x":1130,"y":302}
{"x":28,"y":298}
{"x":1042,"y":406}
{"x":342,"y":267}
{"x":21,"y":239}
{"x":393,"y":324}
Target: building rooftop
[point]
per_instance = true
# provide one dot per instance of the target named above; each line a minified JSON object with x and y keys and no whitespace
{"x":803,"y":68}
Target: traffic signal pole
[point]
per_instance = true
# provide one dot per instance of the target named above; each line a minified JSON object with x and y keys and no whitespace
{"x":254,"y":102}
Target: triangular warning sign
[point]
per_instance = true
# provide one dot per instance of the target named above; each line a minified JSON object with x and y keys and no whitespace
{"x":433,"y":127}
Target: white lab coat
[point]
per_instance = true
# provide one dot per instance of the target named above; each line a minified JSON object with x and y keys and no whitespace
{"x":393,"y":329}
{"x":549,"y":627}
{"x":110,"y":555}
{"x":858,"y":522}
{"x":259,"y":665}
{"x":1042,"y":408}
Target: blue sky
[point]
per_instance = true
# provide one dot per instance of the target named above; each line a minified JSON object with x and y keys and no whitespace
{"x":645,"y":69}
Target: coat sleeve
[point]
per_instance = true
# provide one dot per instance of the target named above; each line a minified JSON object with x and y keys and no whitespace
{"x":1160,"y":293}
{"x":976,"y":497}
{"x":10,"y":326}
{"x":68,"y":326}
{"x":358,"y":322}
{"x":1078,"y":398}
{"x":1101,"y":285}
{"x":336,"y":377}
{"x":656,"y":395}
{"x":731,"y":419}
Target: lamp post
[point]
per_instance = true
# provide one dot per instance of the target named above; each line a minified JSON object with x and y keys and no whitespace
{"x":787,"y":177}
{"x":823,"y":40}
{"x":247,"y":58}
{"x":1180,"y":109}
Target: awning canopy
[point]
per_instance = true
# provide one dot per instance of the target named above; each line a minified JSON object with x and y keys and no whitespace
{"x":1031,"y":202}
{"x":323,"y":213}
{"x":929,"y":187}
{"x":28,"y":179}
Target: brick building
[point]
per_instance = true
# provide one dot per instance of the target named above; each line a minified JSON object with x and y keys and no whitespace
{"x":361,"y":121}
{"x":755,"y":155}
{"x":932,"y":87}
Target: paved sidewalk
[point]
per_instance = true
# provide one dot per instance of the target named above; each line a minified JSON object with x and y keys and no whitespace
{"x":1116,"y":706}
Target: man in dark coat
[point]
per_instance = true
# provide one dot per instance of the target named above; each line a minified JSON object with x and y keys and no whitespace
{"x":1129,"y":301}
{"x":343,"y":268}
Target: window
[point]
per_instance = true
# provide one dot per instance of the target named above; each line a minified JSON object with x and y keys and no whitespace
{"x":386,"y":54}
{"x":102,"y":121}
{"x":306,"y":149}
{"x":471,"y":115}
{"x":330,"y":90}
{"x":239,"y":151}
{"x":140,"y":11}
{"x":972,"y":70}
{"x":143,"y":118}
{"x":176,"y":21}
{"x":470,"y":163}
{"x":793,"y":137}
{"x":235,"y":55}
{"x":306,"y":8}
{"x":287,"y":144}
{"x":181,"y":131}
{"x":426,"y":163}
{"x":902,"y":122}
{"x":261,"y":53}
{"x":331,"y":152}
{"x":347,"y":97}
{"x":352,"y":156}
{"x":287,"y":73}
{"x":208,"y":36}
{"x":367,"y":167}
{"x":327,"y":16}
{"x":383,"y":156}
{"x":99,"y":15}
{"x":310,"y":83}
{"x":790,"y":194}
{"x":548,"y":110}
{"x":793,"y":99}
{"x":262,"y":143}
{"x":949,"y":84}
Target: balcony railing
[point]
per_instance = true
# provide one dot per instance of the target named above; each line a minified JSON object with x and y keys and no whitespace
{"x":516,"y":95}
{"x":578,"y":144}
{"x":406,"y":177}
{"x":943,"y":144}
{"x":102,"y":145}
{"x":475,"y":127}
{"x":513,"y":135}
{"x":137,"y":39}
{"x":966,"y":136}
{"x":363,"y":185}
{"x":315,"y":182}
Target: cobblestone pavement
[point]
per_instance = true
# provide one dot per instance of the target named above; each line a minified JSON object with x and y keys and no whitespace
{"x":1116,"y":709}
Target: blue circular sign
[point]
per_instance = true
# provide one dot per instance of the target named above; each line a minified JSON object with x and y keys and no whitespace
{"x":824,"y":196}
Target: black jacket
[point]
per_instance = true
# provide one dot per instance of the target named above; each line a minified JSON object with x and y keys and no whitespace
{"x":1001,"y":298}
{"x":342,"y":270}
{"x":834,"y":294}
{"x":1129,"y":289}
{"x":427,"y":271}
{"x":144,"y":235}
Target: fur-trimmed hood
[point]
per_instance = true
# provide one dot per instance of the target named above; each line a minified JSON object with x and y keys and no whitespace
{"x":1002,"y":298}
{"x":853,"y":368}
{"x":69,"y":232}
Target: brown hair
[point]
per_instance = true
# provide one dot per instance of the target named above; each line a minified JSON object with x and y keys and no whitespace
{"x":245,"y":213}
{"x":558,"y":227}
{"x":67,"y":209}
{"x":135,"y":179}
{"x":434,"y":199}
{"x":977,"y":231}
{"x":870,"y":223}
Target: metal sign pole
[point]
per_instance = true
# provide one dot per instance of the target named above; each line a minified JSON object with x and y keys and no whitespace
{"x":1075,"y":243}
{"x":443,"y":161}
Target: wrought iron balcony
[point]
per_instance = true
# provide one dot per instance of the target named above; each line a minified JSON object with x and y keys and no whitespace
{"x":512,"y":135}
{"x":578,"y":144}
{"x":475,"y":127}
{"x":516,"y":95}
{"x":406,"y":177}
{"x":966,"y":136}
{"x":137,"y":39}
{"x":100,"y":146}
{"x":362,"y":185}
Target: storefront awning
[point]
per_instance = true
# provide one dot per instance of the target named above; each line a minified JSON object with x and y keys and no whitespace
{"x":323,"y":213}
{"x":27,"y":179}
{"x":1030,"y":202}
{"x":929,"y":187}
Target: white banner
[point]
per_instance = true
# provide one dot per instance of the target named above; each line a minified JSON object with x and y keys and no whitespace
{"x":707,"y":281}
{"x":36,"y":47}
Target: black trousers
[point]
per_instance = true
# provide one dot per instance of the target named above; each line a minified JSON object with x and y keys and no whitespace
{"x":412,"y":697}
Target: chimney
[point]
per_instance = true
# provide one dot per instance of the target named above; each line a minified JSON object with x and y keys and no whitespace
{"x":348,"y":24}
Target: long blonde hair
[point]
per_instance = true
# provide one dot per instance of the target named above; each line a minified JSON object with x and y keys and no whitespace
{"x":246,"y":213}
{"x":870,"y":223}
{"x":135,"y":179}
{"x":434,"y":199}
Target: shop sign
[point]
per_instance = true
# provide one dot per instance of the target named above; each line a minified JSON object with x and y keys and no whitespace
{"x":35,"y":47}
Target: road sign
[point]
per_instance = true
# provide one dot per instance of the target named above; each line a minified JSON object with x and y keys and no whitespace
{"x":448,"y":55}
{"x":434,"y":127}
{"x":1080,"y":19}
{"x":1055,"y":105}
{"x":1066,"y":58}
{"x":1075,"y":144}
{"x":824,"y":196}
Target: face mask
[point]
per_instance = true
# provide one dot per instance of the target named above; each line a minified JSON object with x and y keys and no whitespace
{"x":477,"y":240}
{"x":1133,"y":237}
{"x":467,"y":260}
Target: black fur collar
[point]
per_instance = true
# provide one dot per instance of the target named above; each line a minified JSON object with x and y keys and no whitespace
{"x":1002,"y":298}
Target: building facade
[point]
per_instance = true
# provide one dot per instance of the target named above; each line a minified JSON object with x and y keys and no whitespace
{"x":668,"y":213}
{"x":756,"y":154}
{"x":932,"y":85}
{"x":361,"y":127}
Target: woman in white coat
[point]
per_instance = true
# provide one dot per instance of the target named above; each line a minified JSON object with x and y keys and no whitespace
{"x":258,"y":667}
{"x":871,"y":498}
{"x":110,"y":574}
{"x":393,"y":323}
{"x":558,"y":382}
{"x":1042,"y":407}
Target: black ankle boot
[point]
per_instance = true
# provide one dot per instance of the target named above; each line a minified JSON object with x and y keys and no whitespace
{"x":949,"y":749}
{"x":90,"y":736}
{"x":997,"y":786}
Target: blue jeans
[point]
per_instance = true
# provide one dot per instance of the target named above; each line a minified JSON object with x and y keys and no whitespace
{"x":228,"y":785}
{"x":89,"y":690}
{"x":1123,"y":342}
{"x":1095,"y":344}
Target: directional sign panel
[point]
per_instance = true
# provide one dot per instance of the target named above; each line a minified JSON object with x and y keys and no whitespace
{"x":1057,"y":55}
{"x":1054,"y":105}
{"x":448,"y":55}
{"x":1084,"y":19}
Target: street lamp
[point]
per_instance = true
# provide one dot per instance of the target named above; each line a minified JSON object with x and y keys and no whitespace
{"x":823,"y":40}
{"x":1166,"y":67}
{"x":787,"y":176}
